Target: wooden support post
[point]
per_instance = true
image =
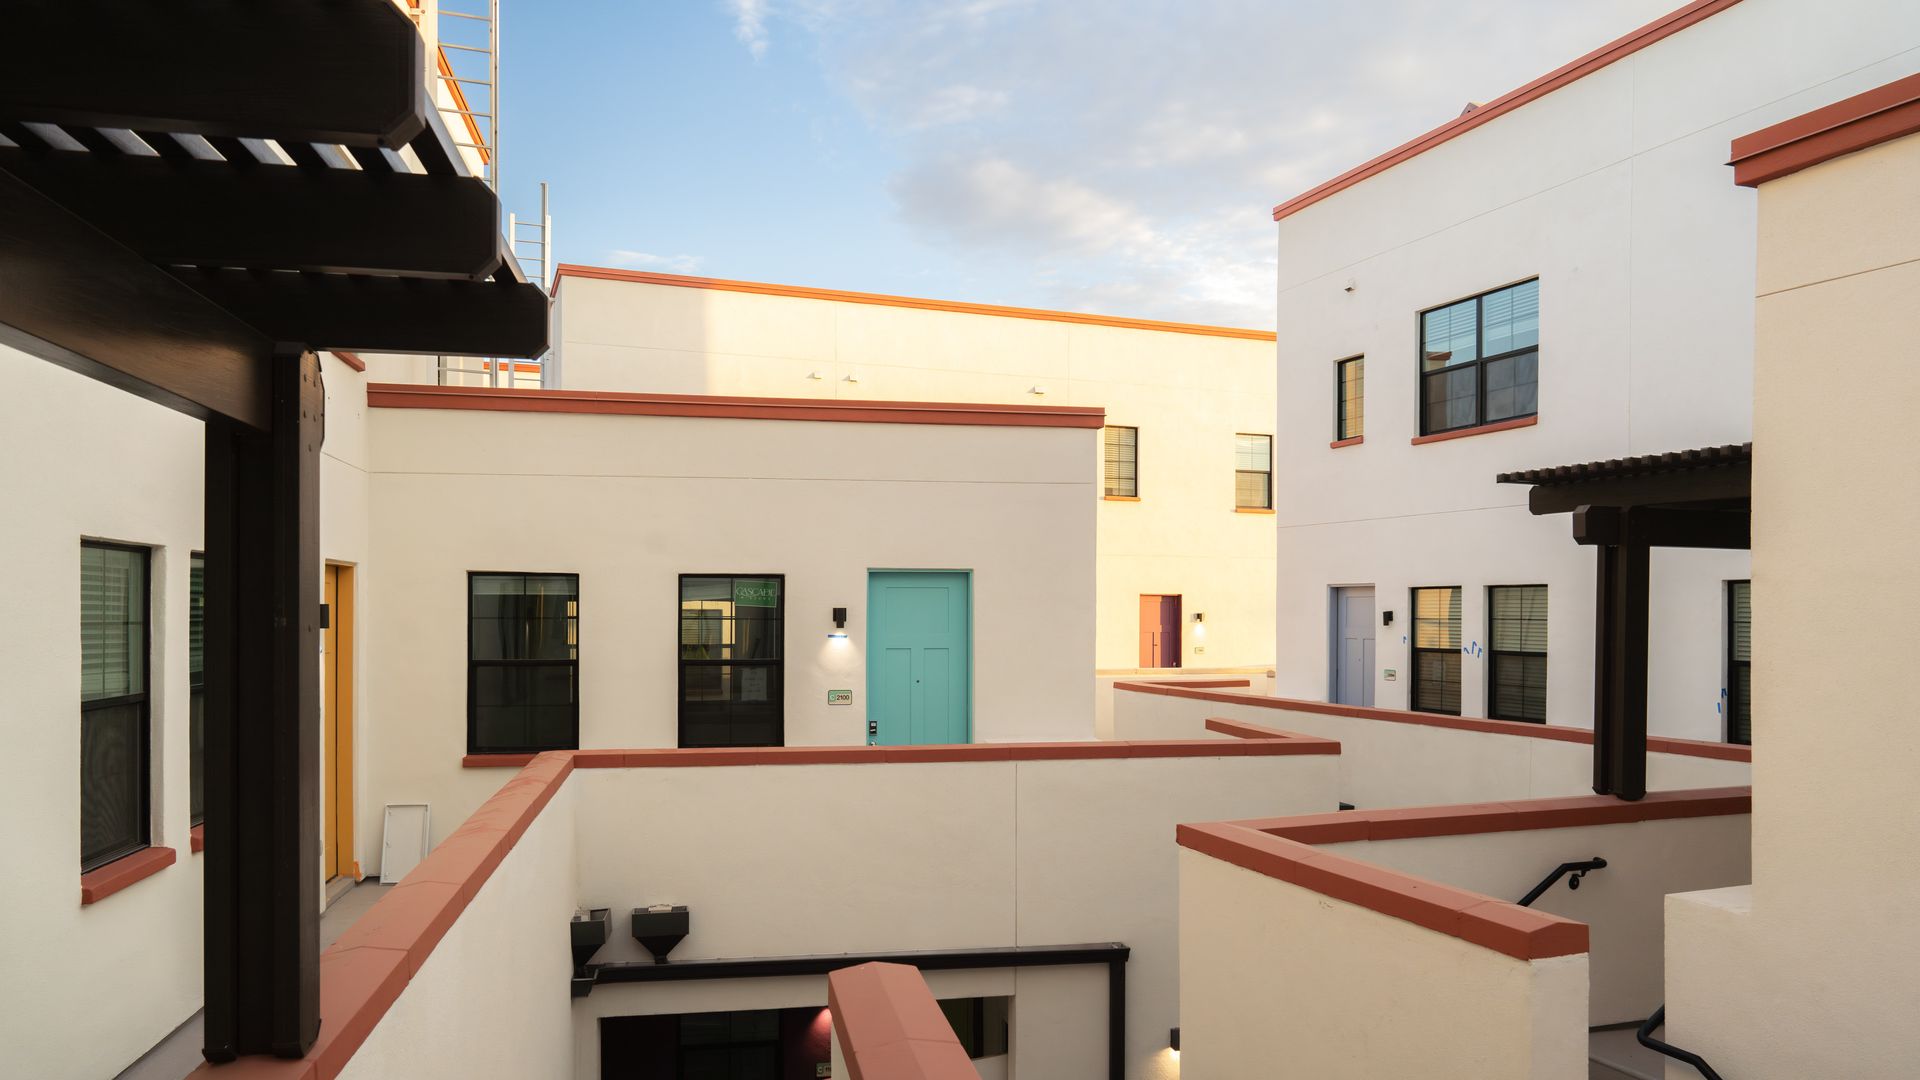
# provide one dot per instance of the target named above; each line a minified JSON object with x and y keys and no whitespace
{"x":263,"y":723}
{"x":1620,"y":652}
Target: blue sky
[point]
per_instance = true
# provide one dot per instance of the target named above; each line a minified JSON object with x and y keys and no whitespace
{"x":1117,"y":157}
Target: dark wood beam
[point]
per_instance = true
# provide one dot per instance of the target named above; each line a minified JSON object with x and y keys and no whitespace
{"x":72,"y":295}
{"x":262,"y":910}
{"x":339,"y":71}
{"x":371,"y":314}
{"x":1658,"y":526}
{"x":1732,"y":482}
{"x":1620,"y":659}
{"x":209,"y":213}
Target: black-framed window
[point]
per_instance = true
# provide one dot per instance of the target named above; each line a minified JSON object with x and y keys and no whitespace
{"x":1740,"y":662}
{"x":1121,"y":457}
{"x":1349,"y":398}
{"x":197,"y":688}
{"x":979,"y":1023}
{"x":1253,"y":472}
{"x":1517,"y":647}
{"x":1480,"y":359}
{"x":730,"y":1045}
{"x":523,"y":662}
{"x":114,"y":719}
{"x":1436,"y":650}
{"x":732,"y":659}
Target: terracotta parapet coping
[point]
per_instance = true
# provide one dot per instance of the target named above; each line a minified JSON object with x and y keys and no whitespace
{"x":1856,"y":123}
{"x":98,"y":884}
{"x":197,"y":838}
{"x":1287,"y":849}
{"x":1251,"y":741}
{"x":805,"y":292}
{"x":364,"y":972}
{"x":889,"y":1026}
{"x":1657,"y":743}
{"x":713,"y":406}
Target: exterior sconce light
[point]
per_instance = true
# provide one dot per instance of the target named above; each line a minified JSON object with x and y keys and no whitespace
{"x":1199,"y":616}
{"x":1173,"y":1040}
{"x":840,"y":617}
{"x":1386,"y":618}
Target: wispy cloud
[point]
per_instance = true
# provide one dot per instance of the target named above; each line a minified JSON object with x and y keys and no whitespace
{"x":663,"y":264}
{"x":750,"y":24}
{"x":1128,"y":154}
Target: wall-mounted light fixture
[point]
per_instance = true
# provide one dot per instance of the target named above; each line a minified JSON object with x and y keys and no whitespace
{"x":840,"y":616}
{"x":1386,"y":618}
{"x":1199,"y":616}
{"x":1173,"y":1040}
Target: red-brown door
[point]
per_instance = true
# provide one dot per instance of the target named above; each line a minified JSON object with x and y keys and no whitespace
{"x":1159,"y":631}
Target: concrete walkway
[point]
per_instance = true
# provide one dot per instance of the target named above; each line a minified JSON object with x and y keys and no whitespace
{"x":179,"y":1053}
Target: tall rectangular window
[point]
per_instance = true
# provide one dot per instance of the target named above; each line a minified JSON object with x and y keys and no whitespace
{"x":197,"y":689}
{"x":113,"y":702}
{"x":1517,"y":643}
{"x":1122,"y":457}
{"x":1480,"y":359}
{"x":1740,"y":662}
{"x":1436,"y":650}
{"x":732,"y":660}
{"x":1349,"y":398}
{"x":1253,"y":472}
{"x":523,"y":665}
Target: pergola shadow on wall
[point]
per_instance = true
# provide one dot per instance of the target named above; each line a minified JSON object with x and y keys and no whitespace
{"x":195,"y":198}
{"x":1624,"y":508}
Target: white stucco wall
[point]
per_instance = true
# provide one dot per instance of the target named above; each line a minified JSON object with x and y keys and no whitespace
{"x":84,"y":460}
{"x":1810,"y":971}
{"x":1622,"y":904}
{"x":809,"y":859}
{"x":1384,"y":763}
{"x":491,"y":999}
{"x":1612,"y":191}
{"x":1189,"y":394}
{"x":629,"y":503}
{"x":79,"y":459}
{"x":1280,"y":981}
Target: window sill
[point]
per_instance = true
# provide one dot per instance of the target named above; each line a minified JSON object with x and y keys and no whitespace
{"x":1338,"y":443}
{"x":495,"y":761}
{"x":1483,"y":429}
{"x":197,"y":838}
{"x":97,"y":885}
{"x":1121,"y":498}
{"x":1253,"y":509}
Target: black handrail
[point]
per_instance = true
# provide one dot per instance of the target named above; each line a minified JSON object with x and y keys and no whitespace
{"x":1577,"y":869}
{"x":1647,"y":1040}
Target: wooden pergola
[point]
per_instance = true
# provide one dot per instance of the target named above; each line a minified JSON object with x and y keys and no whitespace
{"x":195,"y":198}
{"x":1624,"y":508}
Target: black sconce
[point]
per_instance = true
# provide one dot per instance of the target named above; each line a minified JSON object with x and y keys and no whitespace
{"x":1386,"y":618}
{"x":1199,"y":616}
{"x":660,"y":927}
{"x":1173,"y":1040}
{"x":840,"y":617}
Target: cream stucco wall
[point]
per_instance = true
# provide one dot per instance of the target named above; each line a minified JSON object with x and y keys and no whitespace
{"x":87,"y":460}
{"x":811,"y":859}
{"x":629,"y":503}
{"x":1809,"y":972}
{"x":1279,"y":981}
{"x":1189,"y":394}
{"x":1612,"y":191}
{"x":491,"y":1000}
{"x":1384,"y":763}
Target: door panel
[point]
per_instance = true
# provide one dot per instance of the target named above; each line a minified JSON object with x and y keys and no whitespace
{"x":336,"y":686}
{"x":1353,"y":646}
{"x":1159,"y":631}
{"x":919,"y":663}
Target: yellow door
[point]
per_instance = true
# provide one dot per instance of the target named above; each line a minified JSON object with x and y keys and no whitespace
{"x":336,"y":684}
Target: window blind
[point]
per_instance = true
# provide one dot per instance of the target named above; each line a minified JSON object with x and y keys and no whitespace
{"x":1253,"y":471}
{"x":1122,"y":457}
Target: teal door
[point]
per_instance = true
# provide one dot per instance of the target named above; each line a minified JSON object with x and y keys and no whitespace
{"x":919,"y":665}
